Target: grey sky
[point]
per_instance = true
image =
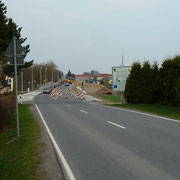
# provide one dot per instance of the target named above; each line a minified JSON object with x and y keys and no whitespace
{"x":82,"y":35}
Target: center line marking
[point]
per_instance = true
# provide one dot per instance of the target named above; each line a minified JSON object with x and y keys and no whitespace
{"x":68,"y":105}
{"x":83,"y":111}
{"x":116,"y":125}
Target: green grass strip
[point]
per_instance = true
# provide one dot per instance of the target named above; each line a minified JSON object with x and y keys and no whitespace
{"x":111,"y":98}
{"x":162,"y":110}
{"x":20,"y":158}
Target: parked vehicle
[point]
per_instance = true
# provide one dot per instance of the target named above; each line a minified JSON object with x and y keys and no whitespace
{"x":56,"y":86}
{"x":47,"y":90}
{"x":66,"y":84}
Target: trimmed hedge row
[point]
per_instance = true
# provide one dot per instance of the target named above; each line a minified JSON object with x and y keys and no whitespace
{"x":149,"y":84}
{"x":7,"y":105}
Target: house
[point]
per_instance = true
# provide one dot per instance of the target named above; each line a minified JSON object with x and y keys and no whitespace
{"x":104,"y":77}
{"x":90,"y":77}
{"x":84,"y":77}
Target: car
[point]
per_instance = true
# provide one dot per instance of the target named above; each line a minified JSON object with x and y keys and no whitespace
{"x":47,"y":90}
{"x":56,"y":86}
{"x":66,"y":84}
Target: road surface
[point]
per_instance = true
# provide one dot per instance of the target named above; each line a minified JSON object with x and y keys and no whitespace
{"x":103,"y":143}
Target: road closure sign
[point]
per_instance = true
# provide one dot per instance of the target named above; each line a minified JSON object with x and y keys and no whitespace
{"x":119,"y":77}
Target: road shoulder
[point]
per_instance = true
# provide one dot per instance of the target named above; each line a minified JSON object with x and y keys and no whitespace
{"x":50,"y":168}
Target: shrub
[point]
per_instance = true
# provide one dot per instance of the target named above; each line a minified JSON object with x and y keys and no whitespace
{"x":7,"y":105}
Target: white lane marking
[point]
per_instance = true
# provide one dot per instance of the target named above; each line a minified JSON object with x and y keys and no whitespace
{"x":136,"y":112}
{"x":116,"y":125}
{"x":83,"y":111}
{"x":60,"y":156}
{"x":68,"y":105}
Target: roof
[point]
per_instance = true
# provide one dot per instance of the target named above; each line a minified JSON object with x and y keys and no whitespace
{"x":90,"y":75}
{"x":105,"y":75}
{"x":84,"y":75}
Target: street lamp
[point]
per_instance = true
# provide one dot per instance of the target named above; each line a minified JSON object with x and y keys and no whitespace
{"x":45,"y":75}
{"x":22,"y":81}
{"x":32,"y":79}
{"x":40,"y":80}
{"x":52,"y":74}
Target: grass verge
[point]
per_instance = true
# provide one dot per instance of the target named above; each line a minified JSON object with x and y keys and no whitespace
{"x":19,"y":157}
{"x":162,"y":110}
{"x":111,"y":98}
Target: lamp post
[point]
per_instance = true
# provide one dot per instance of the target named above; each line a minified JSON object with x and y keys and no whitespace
{"x":45,"y":75}
{"x":52,"y":77}
{"x":32,"y":79}
{"x":40,"y":78}
{"x":22,"y":81}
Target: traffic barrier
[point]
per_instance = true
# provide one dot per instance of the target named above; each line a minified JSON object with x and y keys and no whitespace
{"x":54,"y":92}
{"x":59,"y":94}
{"x":66,"y":96}
{"x":78,"y":94}
{"x":82,"y":96}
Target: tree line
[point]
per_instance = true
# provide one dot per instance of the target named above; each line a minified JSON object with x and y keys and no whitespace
{"x":8,"y":28}
{"x":148,"y":83}
{"x":38,"y":74}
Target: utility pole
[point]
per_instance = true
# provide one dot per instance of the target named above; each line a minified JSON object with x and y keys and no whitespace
{"x":22,"y":81}
{"x":32,"y":79}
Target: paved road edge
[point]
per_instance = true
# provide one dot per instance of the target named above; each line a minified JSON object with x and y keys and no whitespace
{"x":137,"y":112}
{"x":65,"y":167}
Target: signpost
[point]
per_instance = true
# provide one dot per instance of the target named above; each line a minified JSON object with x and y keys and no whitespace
{"x":16,"y":55}
{"x":119,"y":76}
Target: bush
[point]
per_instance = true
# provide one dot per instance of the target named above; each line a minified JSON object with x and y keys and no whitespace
{"x":7,"y":105}
{"x":148,"y":84}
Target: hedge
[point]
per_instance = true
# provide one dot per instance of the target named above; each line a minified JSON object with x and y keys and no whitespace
{"x":7,"y":105}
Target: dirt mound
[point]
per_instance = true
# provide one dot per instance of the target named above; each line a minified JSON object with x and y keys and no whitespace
{"x":98,"y":89}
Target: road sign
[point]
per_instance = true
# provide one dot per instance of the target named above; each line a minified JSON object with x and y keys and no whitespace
{"x":94,"y":82}
{"x":119,"y":75}
{"x":20,"y":53}
{"x":15,"y":54}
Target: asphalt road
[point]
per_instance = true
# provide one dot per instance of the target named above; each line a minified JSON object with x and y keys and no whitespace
{"x":102,"y":143}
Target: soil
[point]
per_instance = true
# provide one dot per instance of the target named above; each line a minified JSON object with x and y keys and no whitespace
{"x":97,"y":89}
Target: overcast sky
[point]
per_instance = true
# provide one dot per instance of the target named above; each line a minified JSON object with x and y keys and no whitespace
{"x":85,"y":35}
